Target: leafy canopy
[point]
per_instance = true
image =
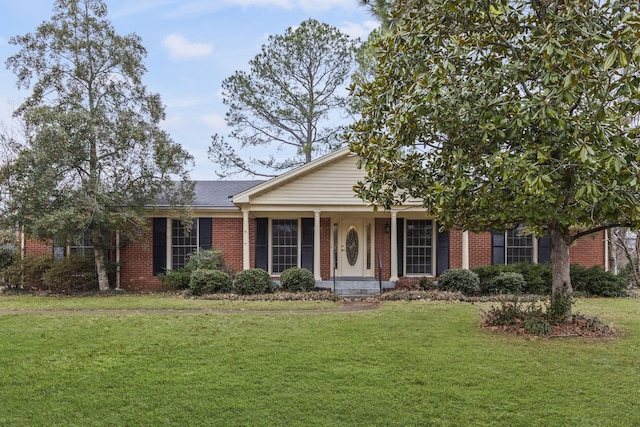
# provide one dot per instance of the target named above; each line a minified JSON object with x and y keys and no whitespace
{"x":94,"y":155}
{"x":498,"y":112}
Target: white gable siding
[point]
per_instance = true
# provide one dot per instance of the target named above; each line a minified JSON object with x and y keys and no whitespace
{"x":330,"y":185}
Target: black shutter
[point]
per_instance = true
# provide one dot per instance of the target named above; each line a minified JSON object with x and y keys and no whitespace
{"x":204,"y":233}
{"x":159,"y":255}
{"x":262,"y":243}
{"x":544,"y":249}
{"x":306,"y":252}
{"x":497,"y":245}
{"x":400,"y":243}
{"x":442,"y":251}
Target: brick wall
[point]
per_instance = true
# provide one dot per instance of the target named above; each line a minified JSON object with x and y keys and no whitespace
{"x":455,"y":249}
{"x":479,"y":249}
{"x":136,"y":264}
{"x":325,"y":248}
{"x":383,"y":246}
{"x":38,"y":248}
{"x":589,"y":250}
{"x":227,"y":236}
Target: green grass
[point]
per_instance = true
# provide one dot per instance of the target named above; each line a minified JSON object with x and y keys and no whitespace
{"x":406,"y":364}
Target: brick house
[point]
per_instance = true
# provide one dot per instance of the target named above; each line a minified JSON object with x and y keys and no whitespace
{"x":310,"y":217}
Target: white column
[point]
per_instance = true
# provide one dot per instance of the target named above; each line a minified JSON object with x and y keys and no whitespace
{"x":465,"y":249}
{"x":316,"y":245}
{"x":607,"y":266}
{"x":246,"y":253}
{"x":394,"y":246}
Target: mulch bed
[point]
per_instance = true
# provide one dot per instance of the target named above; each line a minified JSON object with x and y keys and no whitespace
{"x":578,"y":326}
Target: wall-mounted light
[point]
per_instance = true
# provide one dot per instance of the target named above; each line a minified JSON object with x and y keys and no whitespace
{"x":387,"y":227}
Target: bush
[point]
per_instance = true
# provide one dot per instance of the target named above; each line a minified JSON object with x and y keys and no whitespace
{"x":28,"y":272}
{"x":176,"y":279}
{"x":505,"y":283}
{"x":206,"y":259}
{"x":537,"y":277}
{"x":459,"y":280}
{"x":205,"y":281}
{"x":251,"y":282}
{"x":428,"y":284}
{"x":8,"y":256}
{"x":408,"y":283}
{"x":488,"y":272}
{"x":297,"y":279}
{"x":72,"y":273}
{"x":594,"y":281}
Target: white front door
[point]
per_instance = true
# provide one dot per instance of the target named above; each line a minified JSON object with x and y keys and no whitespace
{"x":351,"y":247}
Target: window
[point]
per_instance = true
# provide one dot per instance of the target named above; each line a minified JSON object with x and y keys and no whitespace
{"x":419,"y":246}
{"x":183,"y":243}
{"x":83,"y":246}
{"x":284,"y":244}
{"x":519,"y":247}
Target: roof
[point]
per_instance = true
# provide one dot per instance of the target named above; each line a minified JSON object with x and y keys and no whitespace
{"x":216,"y":194}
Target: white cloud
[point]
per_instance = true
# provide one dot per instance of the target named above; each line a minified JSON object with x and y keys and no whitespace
{"x":180,"y":48}
{"x":360,"y":30}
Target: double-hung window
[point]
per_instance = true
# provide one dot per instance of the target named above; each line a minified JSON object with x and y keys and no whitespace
{"x":183,"y":242}
{"x":519,"y":247}
{"x":514,"y":246}
{"x":284,"y":244}
{"x":419,"y":246}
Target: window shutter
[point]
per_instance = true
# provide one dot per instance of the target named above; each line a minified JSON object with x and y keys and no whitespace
{"x":544,"y":249}
{"x":497,"y":245}
{"x":306,"y":252}
{"x":442,"y":251}
{"x":400,"y":243}
{"x":262,"y":243}
{"x":159,"y":255}
{"x":204,"y":233}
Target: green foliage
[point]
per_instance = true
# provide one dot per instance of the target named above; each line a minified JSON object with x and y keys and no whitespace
{"x":96,"y":156}
{"x":505,"y":283}
{"x":537,"y":327}
{"x":287,"y":98}
{"x":594,"y":281}
{"x":297,"y":279}
{"x":72,"y":273}
{"x":558,"y":309}
{"x":28,"y":272}
{"x":207,"y":259}
{"x":205,"y":281}
{"x":459,"y":280}
{"x":8,"y":256}
{"x":176,"y":279}
{"x":253,"y":281}
{"x":494,"y":113}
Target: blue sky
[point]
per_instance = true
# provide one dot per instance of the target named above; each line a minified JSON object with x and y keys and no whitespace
{"x":192,"y":46}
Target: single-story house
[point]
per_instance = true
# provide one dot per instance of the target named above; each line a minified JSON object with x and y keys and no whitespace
{"x":310,"y":217}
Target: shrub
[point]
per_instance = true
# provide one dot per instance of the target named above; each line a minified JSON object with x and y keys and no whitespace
{"x":428,"y":284}
{"x":28,"y":272}
{"x":537,"y":277}
{"x":72,"y":273}
{"x":7,"y":257}
{"x":253,"y":281}
{"x":176,"y":279}
{"x":408,"y":283}
{"x":205,"y":281}
{"x":488,"y":272}
{"x":459,"y":280}
{"x":207,"y":259}
{"x":505,"y":283}
{"x":297,"y":279}
{"x":594,"y":281}
{"x":537,"y":327}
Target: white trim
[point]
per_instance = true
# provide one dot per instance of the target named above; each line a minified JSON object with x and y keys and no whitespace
{"x":465,"y":249}
{"x":316,"y":246}
{"x":246,"y":250}
{"x":394,"y":247}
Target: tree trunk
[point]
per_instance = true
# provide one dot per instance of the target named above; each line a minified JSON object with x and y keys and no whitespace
{"x":101,"y":266}
{"x":561,"y":289}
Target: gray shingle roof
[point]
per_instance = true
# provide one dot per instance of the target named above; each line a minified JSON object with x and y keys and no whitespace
{"x":215,"y":194}
{"x":218,"y":193}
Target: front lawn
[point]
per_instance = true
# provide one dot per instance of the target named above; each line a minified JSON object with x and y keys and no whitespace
{"x":406,"y":363}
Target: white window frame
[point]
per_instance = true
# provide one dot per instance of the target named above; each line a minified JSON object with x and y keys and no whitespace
{"x":534,"y":247}
{"x":433,"y":248}
{"x":170,"y":240}
{"x":298,"y":242}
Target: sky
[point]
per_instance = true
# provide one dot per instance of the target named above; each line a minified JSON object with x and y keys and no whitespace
{"x":192,"y":46}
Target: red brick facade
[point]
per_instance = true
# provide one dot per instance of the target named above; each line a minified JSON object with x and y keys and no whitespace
{"x":136,"y":270}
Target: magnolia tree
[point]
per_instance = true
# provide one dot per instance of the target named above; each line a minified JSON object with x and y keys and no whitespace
{"x":94,"y":156}
{"x":501,"y":112}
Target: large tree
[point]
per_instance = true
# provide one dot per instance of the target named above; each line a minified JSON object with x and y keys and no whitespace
{"x":290,"y":100}
{"x":501,"y":112}
{"x":94,"y":156}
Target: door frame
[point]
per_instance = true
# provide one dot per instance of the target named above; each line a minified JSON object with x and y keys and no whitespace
{"x":366,"y":231}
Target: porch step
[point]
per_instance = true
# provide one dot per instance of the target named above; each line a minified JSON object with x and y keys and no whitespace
{"x":355,"y":288}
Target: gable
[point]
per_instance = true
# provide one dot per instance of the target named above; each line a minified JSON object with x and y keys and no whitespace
{"x":331,"y":184}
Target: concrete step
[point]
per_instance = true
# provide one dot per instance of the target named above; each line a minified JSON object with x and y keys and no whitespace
{"x":355,"y":288}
